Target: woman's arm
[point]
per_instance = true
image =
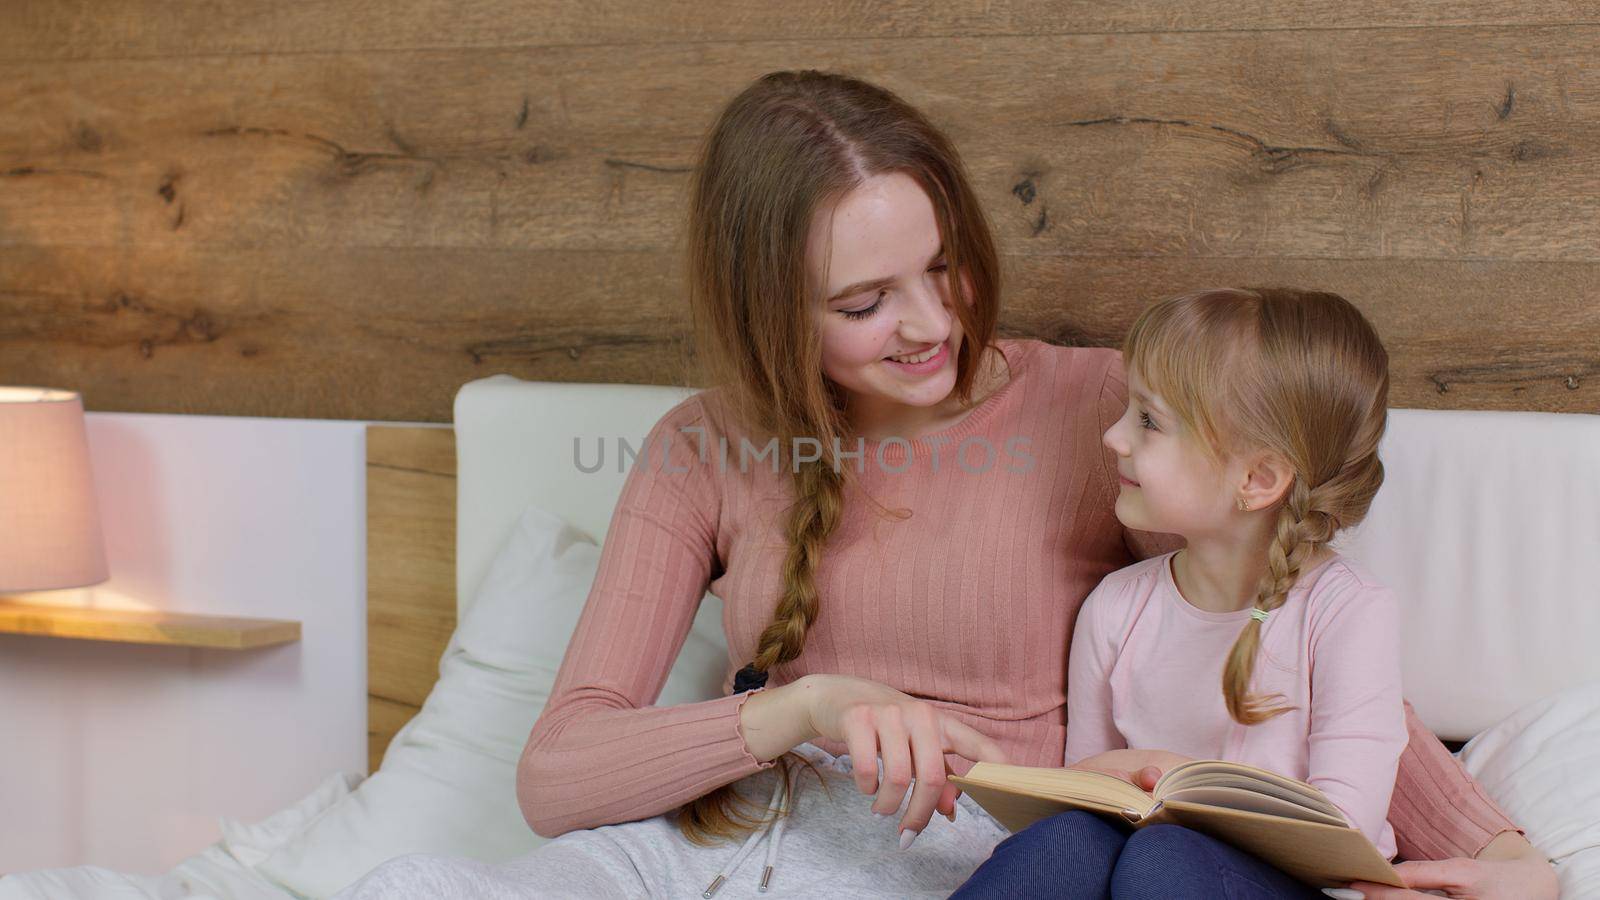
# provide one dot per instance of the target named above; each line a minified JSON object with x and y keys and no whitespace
{"x":1438,"y":811}
{"x":1509,"y":868}
{"x":600,"y":753}
{"x":874,"y":721}
{"x":1456,"y":838}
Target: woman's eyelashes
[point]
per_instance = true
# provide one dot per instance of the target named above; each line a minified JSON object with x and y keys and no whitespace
{"x":863,"y":313}
{"x":869,"y":310}
{"x":1146,"y":422}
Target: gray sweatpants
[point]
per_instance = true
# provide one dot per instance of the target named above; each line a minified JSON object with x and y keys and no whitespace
{"x":832,"y":846}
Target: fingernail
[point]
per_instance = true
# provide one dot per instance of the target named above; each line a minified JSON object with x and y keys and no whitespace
{"x":906,"y":837}
{"x":879,"y":815}
{"x":951,"y":815}
{"x":1344,"y":894}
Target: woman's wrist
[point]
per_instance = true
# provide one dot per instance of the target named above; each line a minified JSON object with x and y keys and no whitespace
{"x":1510,"y":845}
{"x":1535,"y":871}
{"x":776,"y":720}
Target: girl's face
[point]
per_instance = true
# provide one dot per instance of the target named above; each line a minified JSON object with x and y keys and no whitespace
{"x":884,"y":294}
{"x":1168,"y":484}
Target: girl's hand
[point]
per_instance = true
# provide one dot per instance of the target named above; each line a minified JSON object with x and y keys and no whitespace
{"x":1140,"y":768}
{"x":912,"y":736}
{"x":1508,"y":868}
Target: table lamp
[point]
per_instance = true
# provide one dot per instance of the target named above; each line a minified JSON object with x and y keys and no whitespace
{"x":50,"y":538}
{"x":49,"y":521}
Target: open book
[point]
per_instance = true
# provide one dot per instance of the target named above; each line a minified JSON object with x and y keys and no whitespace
{"x":1285,"y":822}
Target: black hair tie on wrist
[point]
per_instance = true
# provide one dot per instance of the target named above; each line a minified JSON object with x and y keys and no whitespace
{"x":749,"y":678}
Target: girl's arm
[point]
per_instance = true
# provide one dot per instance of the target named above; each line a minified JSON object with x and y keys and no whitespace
{"x":600,"y":753}
{"x":1090,"y":729}
{"x":1357,"y":716}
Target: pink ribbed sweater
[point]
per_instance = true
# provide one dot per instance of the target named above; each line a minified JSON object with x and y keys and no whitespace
{"x":968,"y":603}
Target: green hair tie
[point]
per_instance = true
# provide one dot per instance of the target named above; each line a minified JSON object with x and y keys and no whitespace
{"x":1259,"y":614}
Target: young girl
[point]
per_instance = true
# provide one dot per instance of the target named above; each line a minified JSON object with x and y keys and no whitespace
{"x":1252,"y":429}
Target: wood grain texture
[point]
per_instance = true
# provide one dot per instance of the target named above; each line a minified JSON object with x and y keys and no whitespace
{"x":1541,"y":352}
{"x":221,"y":331}
{"x":334,"y":212}
{"x":128,"y":626}
{"x":411,"y":601}
{"x":327,"y":333}
{"x":1439,"y":143}
{"x":76,"y":29}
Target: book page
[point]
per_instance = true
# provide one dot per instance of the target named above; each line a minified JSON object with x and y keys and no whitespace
{"x":1219,"y":773}
{"x":1251,"y":800}
{"x":1017,"y":811}
{"x":1091,"y":788}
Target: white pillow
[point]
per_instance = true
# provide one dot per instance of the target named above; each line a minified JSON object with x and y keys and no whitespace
{"x":447,"y":784}
{"x":252,"y":844}
{"x":1541,"y":764}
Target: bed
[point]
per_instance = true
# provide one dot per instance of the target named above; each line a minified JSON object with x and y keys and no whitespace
{"x":481,"y":536}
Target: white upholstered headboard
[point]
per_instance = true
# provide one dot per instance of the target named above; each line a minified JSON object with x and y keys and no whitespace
{"x":514,"y":447}
{"x":1488,"y":527}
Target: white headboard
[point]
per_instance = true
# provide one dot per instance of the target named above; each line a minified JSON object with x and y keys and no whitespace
{"x":514,"y":447}
{"x":1488,"y":527}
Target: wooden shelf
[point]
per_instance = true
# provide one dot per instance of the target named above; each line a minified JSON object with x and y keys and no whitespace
{"x":144,"y":627}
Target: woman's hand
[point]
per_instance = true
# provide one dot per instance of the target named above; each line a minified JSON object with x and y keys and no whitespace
{"x":1140,"y":768}
{"x":1509,"y":867}
{"x":912,"y":736}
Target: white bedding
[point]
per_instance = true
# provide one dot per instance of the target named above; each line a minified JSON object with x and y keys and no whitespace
{"x":222,"y":871}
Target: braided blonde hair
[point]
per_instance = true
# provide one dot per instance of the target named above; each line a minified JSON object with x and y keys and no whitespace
{"x":783,"y":149}
{"x":1298,"y":373}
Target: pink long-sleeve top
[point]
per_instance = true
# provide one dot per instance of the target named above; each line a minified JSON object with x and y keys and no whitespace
{"x":1146,"y":673}
{"x":968,"y":603}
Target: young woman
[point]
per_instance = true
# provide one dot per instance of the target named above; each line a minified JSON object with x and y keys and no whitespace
{"x":900,"y":575}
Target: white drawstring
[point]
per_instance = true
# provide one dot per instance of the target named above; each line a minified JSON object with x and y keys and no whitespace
{"x":777,"y":836}
{"x":780,"y":801}
{"x":774,"y":826}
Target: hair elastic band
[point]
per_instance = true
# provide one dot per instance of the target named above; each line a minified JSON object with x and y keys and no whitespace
{"x":1260,"y":615}
{"x":748,"y":679}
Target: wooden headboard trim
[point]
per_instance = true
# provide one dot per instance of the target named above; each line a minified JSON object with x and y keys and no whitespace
{"x":411,"y":572}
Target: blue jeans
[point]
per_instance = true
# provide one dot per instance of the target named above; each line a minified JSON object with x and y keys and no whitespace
{"x":1081,"y":856}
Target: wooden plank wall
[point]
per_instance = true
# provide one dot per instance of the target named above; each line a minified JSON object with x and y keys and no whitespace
{"x":347,"y":209}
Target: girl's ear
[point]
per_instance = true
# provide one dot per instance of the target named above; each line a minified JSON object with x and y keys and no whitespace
{"x":1267,"y":480}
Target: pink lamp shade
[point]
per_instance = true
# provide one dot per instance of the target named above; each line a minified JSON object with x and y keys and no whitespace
{"x":49,"y":520}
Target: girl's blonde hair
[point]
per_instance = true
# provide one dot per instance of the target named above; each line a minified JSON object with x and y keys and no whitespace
{"x":1298,"y":373}
{"x":786,"y":147}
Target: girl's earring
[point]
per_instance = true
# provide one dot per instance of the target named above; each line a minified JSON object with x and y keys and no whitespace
{"x":1244,"y":505}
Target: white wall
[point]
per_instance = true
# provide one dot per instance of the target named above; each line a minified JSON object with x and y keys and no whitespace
{"x":124,"y":755}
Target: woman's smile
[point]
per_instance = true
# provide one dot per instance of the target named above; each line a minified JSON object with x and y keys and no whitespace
{"x":928,"y":361}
